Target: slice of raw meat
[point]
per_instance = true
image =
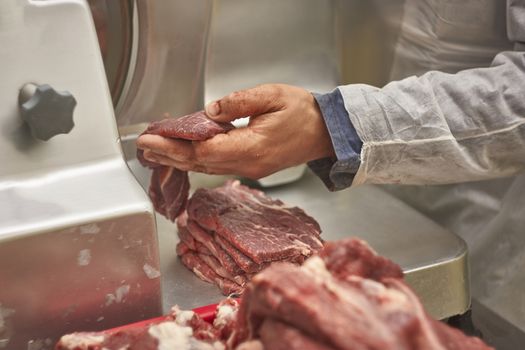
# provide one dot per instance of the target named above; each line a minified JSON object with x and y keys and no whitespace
{"x":214,"y":257}
{"x":195,"y":127}
{"x":336,"y":303}
{"x":182,"y":248}
{"x":169,"y":187}
{"x":168,"y":191}
{"x":186,"y":237}
{"x":183,"y":233}
{"x":244,"y":262}
{"x":261,"y":228}
{"x":200,"y":235}
{"x":216,"y":266}
{"x":206,"y":273}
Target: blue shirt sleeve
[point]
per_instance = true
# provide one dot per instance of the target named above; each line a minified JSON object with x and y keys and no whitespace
{"x":338,"y":173}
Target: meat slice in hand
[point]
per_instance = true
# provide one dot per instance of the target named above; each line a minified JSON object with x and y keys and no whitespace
{"x":168,"y":190}
{"x":169,"y":187}
{"x":261,"y":228}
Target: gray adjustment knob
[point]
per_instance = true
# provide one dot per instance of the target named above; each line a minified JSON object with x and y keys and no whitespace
{"x":47,"y":112}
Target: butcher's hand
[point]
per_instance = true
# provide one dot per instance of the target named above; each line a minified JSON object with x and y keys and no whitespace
{"x":285,"y":129}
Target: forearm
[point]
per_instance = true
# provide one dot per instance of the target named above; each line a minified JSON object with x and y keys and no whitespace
{"x":442,"y":128}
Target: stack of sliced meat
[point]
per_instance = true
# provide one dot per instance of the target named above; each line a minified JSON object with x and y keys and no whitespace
{"x":169,"y":187}
{"x":231,"y":232}
{"x":346,"y":298}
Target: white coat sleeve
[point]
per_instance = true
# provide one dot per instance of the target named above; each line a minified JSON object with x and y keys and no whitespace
{"x":445,"y":128}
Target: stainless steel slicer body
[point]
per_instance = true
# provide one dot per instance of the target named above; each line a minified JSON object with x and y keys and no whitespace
{"x":78,"y":244}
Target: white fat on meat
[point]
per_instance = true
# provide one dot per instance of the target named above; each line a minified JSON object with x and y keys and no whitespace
{"x":173,"y":336}
{"x":303,"y":248}
{"x":225,"y":313}
{"x":81,"y":340}
{"x":201,"y":275}
{"x":183,"y":317}
{"x":316,"y":268}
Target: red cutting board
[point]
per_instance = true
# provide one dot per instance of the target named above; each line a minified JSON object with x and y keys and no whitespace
{"x":206,"y":312}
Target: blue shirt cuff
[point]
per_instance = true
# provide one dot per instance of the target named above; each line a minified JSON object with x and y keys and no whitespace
{"x":338,"y":173}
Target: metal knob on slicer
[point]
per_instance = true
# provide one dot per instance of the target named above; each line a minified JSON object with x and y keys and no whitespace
{"x":48,"y":112}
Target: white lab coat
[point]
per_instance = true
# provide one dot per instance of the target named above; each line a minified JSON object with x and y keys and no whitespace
{"x":436,"y":126}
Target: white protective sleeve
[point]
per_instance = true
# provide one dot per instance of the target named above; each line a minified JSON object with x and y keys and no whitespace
{"x":445,"y":128}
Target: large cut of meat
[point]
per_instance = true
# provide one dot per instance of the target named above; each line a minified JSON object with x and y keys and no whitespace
{"x":231,"y":232}
{"x":346,"y":298}
{"x":169,"y":187}
{"x":182,"y":330}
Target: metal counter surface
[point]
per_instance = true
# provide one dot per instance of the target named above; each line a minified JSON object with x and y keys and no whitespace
{"x":433,"y":259}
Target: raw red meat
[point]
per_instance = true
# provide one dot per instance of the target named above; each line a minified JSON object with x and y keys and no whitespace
{"x":276,"y":335}
{"x":182,"y":248}
{"x":216,"y":266}
{"x":195,"y":127}
{"x":183,"y":233}
{"x":169,"y":187}
{"x":232,"y":220}
{"x":196,"y":256}
{"x":194,"y":263}
{"x":251,"y":345}
{"x":357,"y":302}
{"x":261,"y":228}
{"x":207,"y":240}
{"x":168,"y":190}
{"x":354,"y":257}
{"x":186,"y":237}
{"x":245,"y":263}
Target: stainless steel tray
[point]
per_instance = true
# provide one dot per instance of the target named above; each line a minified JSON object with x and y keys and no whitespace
{"x":434,"y":260}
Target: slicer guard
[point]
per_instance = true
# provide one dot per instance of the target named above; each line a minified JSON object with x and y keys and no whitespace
{"x":78,"y":244}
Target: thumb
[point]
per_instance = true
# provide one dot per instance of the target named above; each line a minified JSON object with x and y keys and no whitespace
{"x":252,"y":102}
